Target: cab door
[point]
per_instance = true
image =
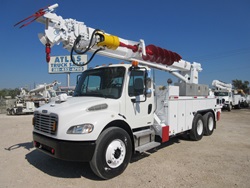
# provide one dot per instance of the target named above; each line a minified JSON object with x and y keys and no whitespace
{"x":139,"y":105}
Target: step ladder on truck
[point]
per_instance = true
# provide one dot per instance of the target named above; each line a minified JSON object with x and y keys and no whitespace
{"x":117,"y":110}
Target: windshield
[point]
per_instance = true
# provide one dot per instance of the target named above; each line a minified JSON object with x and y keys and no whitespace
{"x":104,"y":82}
{"x":221,"y":94}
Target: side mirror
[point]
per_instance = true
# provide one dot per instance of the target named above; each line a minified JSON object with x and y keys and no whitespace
{"x":148,"y":93}
{"x":148,"y":83}
{"x":78,"y":78}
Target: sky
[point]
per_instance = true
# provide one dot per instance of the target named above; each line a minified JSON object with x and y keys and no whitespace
{"x":215,"y":33}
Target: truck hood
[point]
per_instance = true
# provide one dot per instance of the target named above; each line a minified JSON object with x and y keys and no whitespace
{"x":78,"y":104}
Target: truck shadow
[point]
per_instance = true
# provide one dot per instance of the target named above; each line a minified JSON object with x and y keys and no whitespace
{"x":67,"y":169}
{"x":174,"y":140}
{"x":26,"y":145}
{"x":54,"y":167}
{"x":59,"y":168}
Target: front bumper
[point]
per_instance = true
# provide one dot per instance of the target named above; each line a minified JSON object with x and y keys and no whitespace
{"x":225,"y":105}
{"x":65,"y":150}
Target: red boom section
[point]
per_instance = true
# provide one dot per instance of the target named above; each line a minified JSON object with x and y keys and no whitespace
{"x":160,"y":55}
{"x":156,"y":54}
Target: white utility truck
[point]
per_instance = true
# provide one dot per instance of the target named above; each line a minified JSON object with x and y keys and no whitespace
{"x":230,"y":98}
{"x":27,"y":102}
{"x":117,"y":110}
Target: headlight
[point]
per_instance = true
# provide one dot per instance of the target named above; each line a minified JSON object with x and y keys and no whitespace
{"x":81,"y":129}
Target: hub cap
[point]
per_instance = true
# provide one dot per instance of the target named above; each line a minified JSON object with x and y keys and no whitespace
{"x":210,"y":124}
{"x":199,"y":127}
{"x":115,"y":153}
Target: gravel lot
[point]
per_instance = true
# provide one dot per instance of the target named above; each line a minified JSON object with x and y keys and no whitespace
{"x":219,"y":160}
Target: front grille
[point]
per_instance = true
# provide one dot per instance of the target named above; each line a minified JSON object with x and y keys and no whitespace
{"x":46,"y":123}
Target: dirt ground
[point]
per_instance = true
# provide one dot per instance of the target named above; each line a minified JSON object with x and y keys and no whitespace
{"x":219,"y":160}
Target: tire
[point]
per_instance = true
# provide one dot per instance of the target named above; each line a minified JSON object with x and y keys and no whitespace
{"x":12,"y":112}
{"x":246,"y":105}
{"x":197,"y":130}
{"x":112,"y":154}
{"x":239,"y":105}
{"x":209,"y":123}
{"x":229,"y":107}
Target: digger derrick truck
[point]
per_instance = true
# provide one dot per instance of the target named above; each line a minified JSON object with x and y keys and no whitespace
{"x":26,"y":103}
{"x":224,"y":92}
{"x":117,"y":110}
{"x":230,"y":98}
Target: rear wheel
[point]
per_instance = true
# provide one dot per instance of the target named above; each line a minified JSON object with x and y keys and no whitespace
{"x":197,"y":128}
{"x":246,"y":104}
{"x":112,"y":154}
{"x":209,"y":123}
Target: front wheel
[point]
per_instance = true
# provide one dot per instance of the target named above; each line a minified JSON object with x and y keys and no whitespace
{"x":112,"y":154}
{"x":12,"y":112}
{"x":229,"y":107}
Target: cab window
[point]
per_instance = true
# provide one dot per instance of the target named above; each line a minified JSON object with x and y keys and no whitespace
{"x":136,"y":83}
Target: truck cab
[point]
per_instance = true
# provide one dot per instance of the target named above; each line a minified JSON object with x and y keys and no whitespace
{"x":226,"y":98}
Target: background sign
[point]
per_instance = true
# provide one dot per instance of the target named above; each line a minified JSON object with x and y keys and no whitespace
{"x":63,"y":64}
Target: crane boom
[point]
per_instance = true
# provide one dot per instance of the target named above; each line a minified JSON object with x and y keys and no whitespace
{"x":221,"y":85}
{"x":43,"y":87}
{"x":78,"y":37}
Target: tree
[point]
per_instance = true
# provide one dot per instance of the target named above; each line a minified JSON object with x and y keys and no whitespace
{"x":9,"y":92}
{"x":238,"y":84}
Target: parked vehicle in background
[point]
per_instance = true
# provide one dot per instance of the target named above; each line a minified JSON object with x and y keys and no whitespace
{"x":27,"y":102}
{"x":230,"y":97}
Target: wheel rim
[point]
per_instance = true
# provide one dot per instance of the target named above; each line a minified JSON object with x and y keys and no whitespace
{"x":210,"y":123}
{"x":115,"y":153}
{"x":199,"y":127}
